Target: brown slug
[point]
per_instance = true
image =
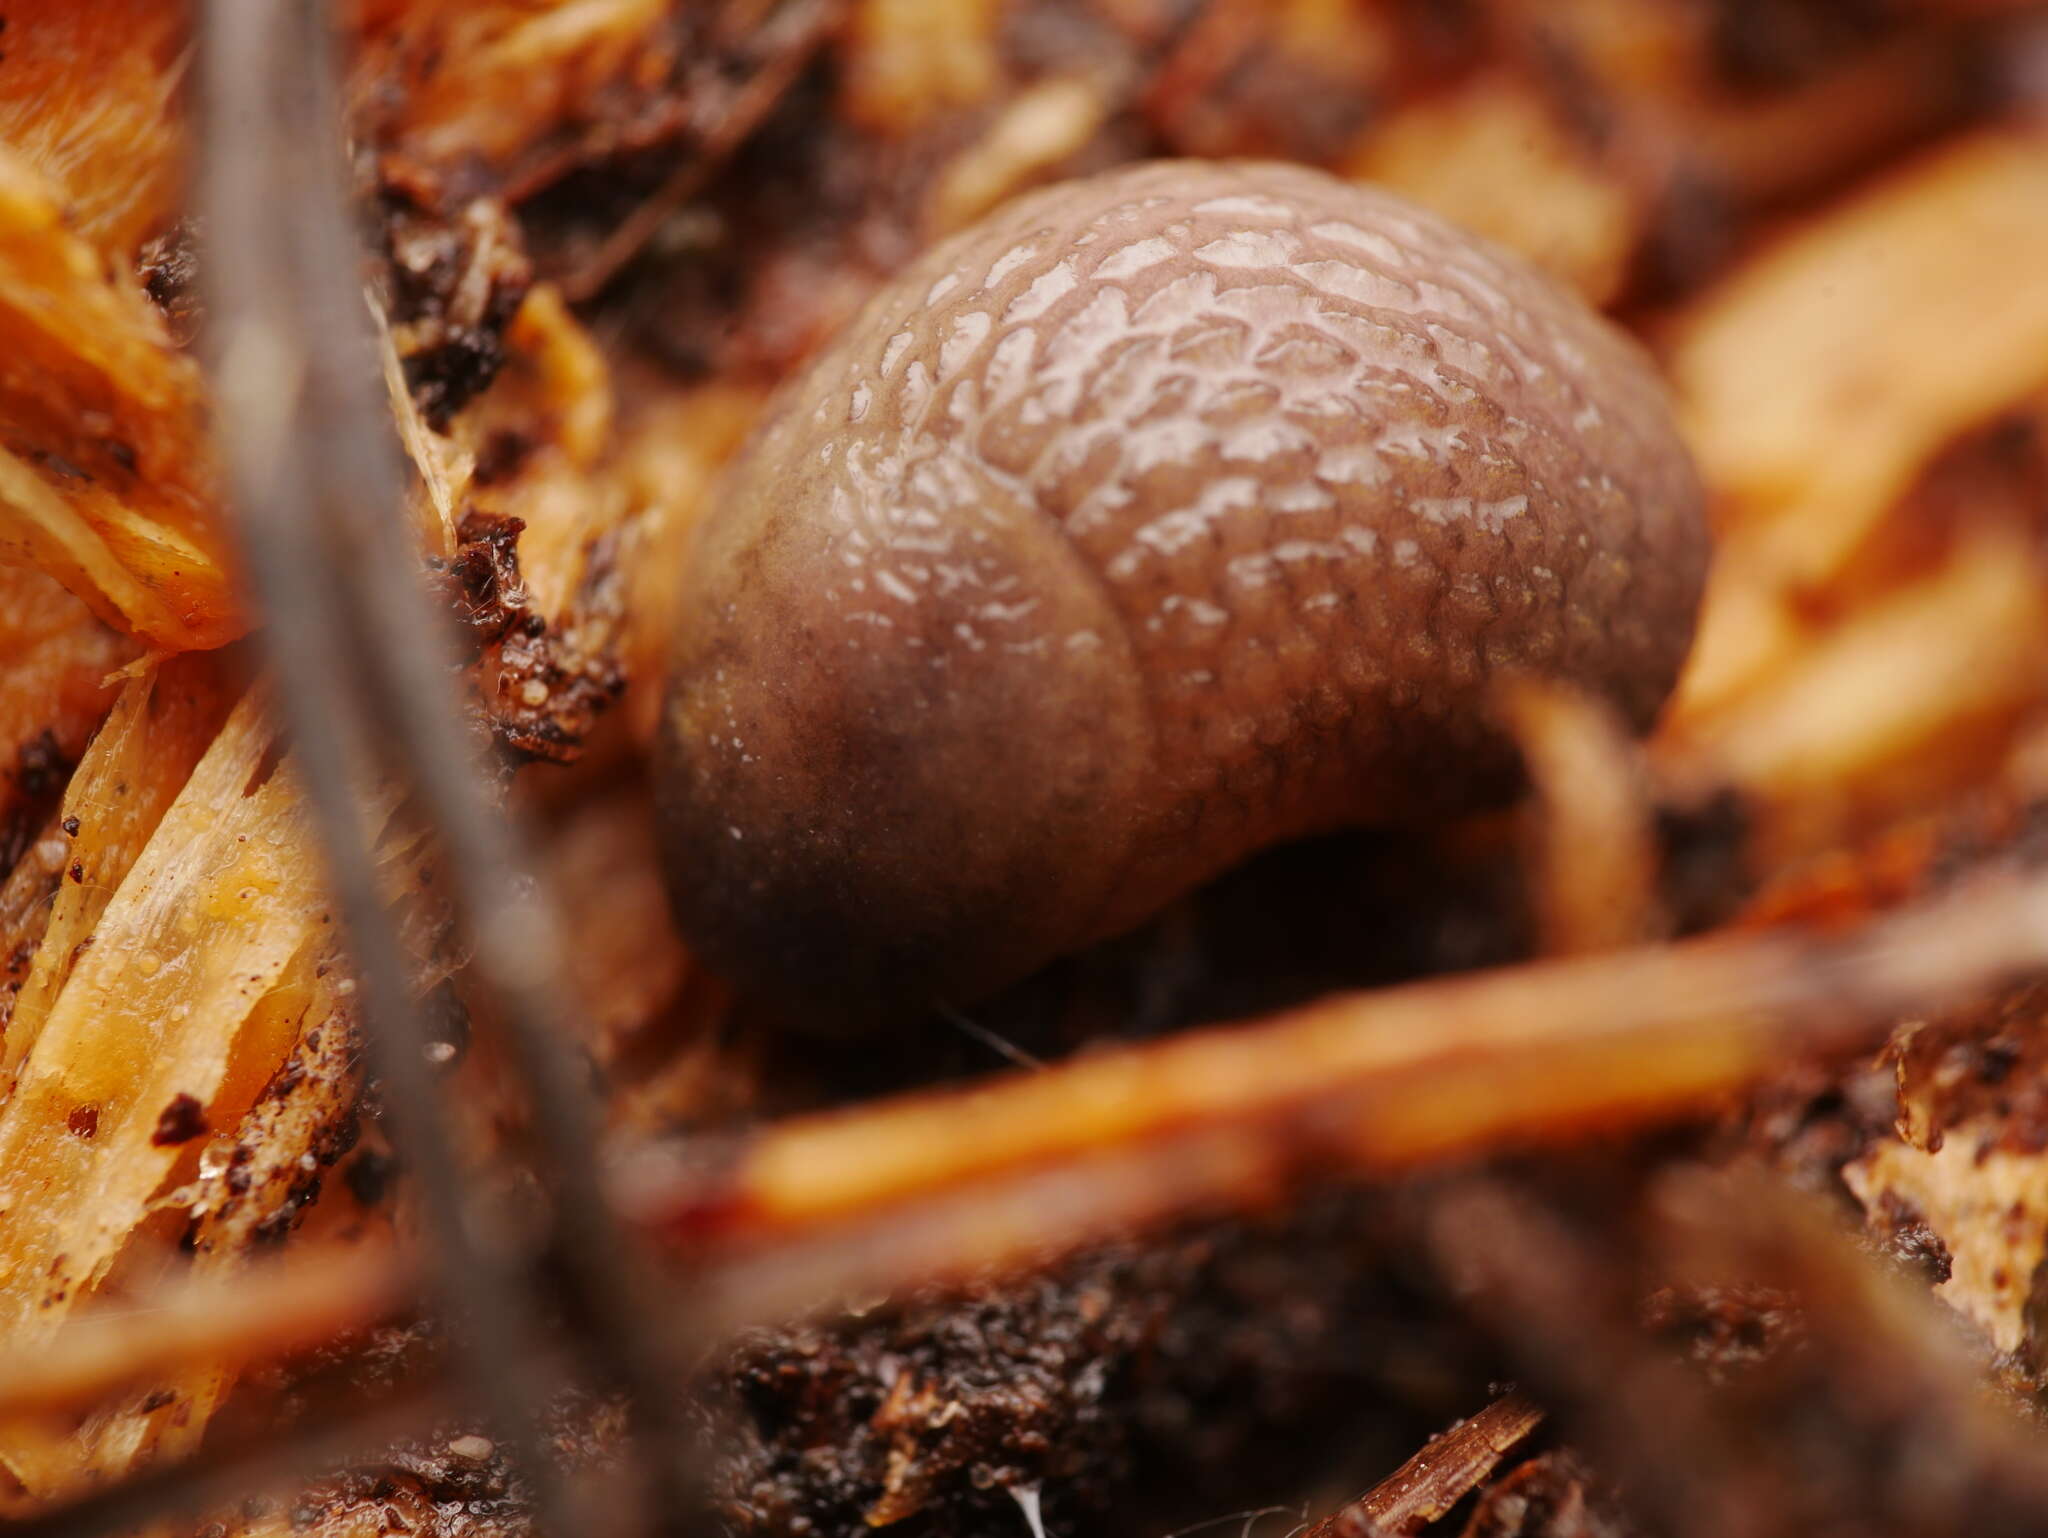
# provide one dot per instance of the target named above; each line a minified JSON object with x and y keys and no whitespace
{"x":1161,"y":516}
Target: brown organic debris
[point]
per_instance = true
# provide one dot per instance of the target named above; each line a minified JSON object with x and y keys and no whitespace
{"x":1054,"y":1262}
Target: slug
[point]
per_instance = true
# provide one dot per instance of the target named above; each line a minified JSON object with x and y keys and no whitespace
{"x":1162,"y":516}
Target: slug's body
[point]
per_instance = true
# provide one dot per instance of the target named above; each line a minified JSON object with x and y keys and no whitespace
{"x":1160,"y":517}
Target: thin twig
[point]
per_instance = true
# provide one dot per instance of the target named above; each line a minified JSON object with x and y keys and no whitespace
{"x":1386,"y":1080}
{"x":1030,"y":1165}
{"x":365,"y":671}
{"x":263,"y":1313}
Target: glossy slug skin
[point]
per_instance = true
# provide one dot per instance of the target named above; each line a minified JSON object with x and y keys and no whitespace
{"x":1161,"y":516}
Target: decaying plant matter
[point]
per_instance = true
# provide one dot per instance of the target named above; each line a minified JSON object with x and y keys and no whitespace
{"x":1700,"y":1096}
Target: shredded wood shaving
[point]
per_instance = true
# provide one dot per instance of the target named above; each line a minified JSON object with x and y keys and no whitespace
{"x":161,"y":725}
{"x":188,"y":952}
{"x":107,"y":483}
{"x":493,"y":83}
{"x":1494,"y":157}
{"x":1819,"y":380}
{"x":1989,"y":1205}
{"x":909,"y":60}
{"x":1593,"y":851}
{"x":91,"y":102}
{"x":1899,"y":700}
{"x":54,"y":661}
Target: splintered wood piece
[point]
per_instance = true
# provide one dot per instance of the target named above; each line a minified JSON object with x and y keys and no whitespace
{"x":1428,"y":1485}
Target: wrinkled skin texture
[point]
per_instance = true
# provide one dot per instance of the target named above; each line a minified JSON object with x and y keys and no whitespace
{"x":1160,"y":517}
